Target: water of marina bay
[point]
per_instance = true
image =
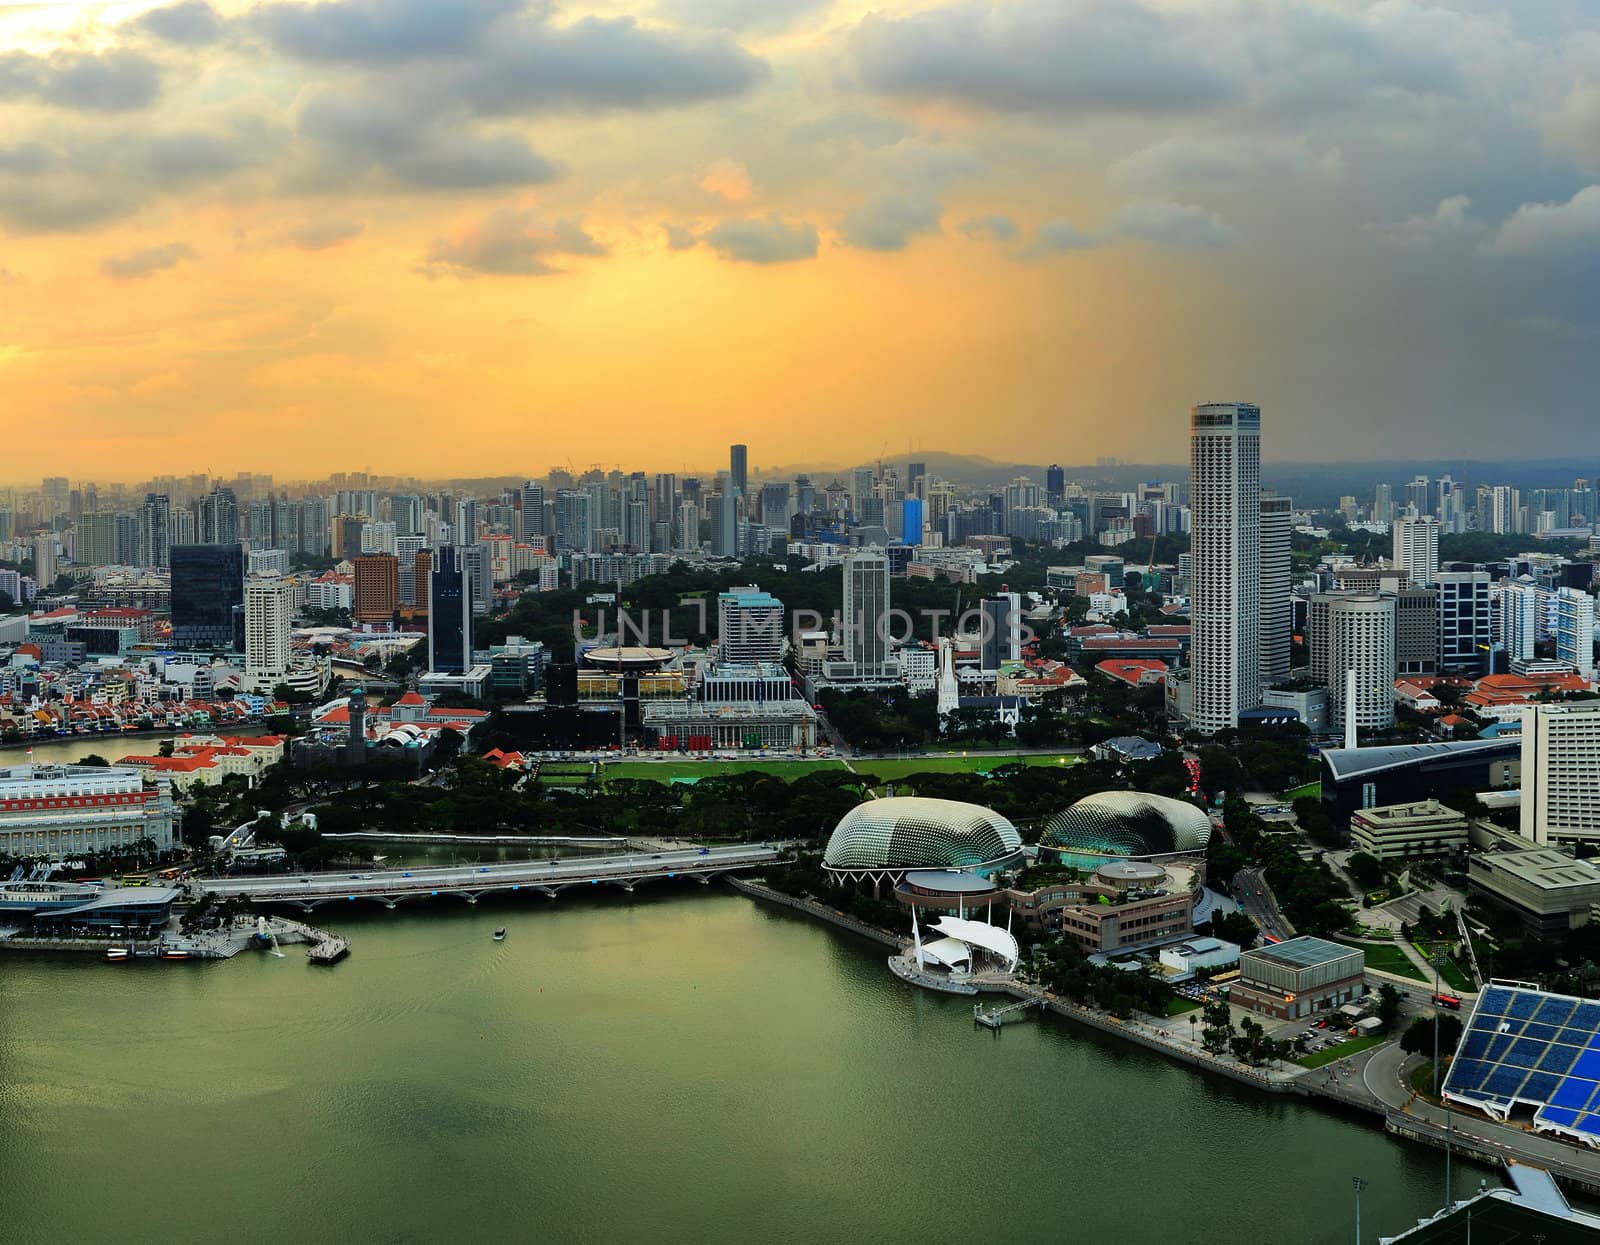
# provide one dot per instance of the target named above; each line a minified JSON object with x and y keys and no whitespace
{"x":683,"y":1065}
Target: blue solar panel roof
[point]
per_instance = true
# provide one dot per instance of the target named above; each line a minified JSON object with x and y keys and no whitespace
{"x":1523,"y":1045}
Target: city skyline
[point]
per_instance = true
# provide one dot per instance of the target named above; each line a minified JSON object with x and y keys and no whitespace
{"x":273,"y":235}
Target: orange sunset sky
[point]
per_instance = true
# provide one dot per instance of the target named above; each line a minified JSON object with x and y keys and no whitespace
{"x":471,"y":237}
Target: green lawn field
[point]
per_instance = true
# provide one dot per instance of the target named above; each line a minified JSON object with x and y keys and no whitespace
{"x":1390,"y":959}
{"x":977,"y":763}
{"x":667,"y":771}
{"x":1317,"y":1058}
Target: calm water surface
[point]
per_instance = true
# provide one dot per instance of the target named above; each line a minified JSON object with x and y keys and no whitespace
{"x":687,"y":1066}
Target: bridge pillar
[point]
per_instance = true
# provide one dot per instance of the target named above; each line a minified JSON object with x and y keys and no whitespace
{"x":469,"y":897}
{"x":626,"y":885}
{"x":389,"y":904}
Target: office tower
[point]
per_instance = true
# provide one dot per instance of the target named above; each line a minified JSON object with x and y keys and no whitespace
{"x":1417,"y":495}
{"x":449,"y":614}
{"x":911,"y":521}
{"x":97,"y":539}
{"x":127,"y":538}
{"x":860,"y":489}
{"x":636,"y":525}
{"x":1416,"y":548}
{"x":739,"y":468}
{"x":1522,"y":617}
{"x":155,"y":532}
{"x":1277,"y":603}
{"x":749,"y":625}
{"x":1000,"y":637}
{"x":1225,"y":608}
{"x":466,"y":521}
{"x":268,"y":622}
{"x":1575,"y":629}
{"x":478,"y":572}
{"x":217,"y":518}
{"x":208,"y":596}
{"x":377,"y":588}
{"x":775,"y":507}
{"x":916,"y":480}
{"x":1361,"y":635}
{"x":805,"y":495}
{"x":531,"y":517}
{"x":347,"y":530}
{"x":866,"y":607}
{"x":1561,"y":773}
{"x":1055,"y":483}
{"x":1383,"y":504}
{"x":1416,"y":631}
{"x":44,"y":560}
{"x":406,"y":549}
{"x":688,"y":526}
{"x":725,"y":531}
{"x":1465,"y":636}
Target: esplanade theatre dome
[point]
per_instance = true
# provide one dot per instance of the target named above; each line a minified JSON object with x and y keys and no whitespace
{"x":1122,"y":824}
{"x":909,"y":832}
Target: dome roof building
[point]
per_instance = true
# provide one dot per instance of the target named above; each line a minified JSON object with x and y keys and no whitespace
{"x":883,"y":839}
{"x":1123,"y":824}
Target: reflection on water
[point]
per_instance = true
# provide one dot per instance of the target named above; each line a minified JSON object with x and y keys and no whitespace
{"x":681,"y":1065}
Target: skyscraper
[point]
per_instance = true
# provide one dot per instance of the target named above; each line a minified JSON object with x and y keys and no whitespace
{"x":155,"y":531}
{"x":725,"y":531}
{"x":1225,"y":484}
{"x":217,"y":521}
{"x":1055,"y":483}
{"x":1361,"y":631}
{"x":1465,"y":637}
{"x":866,"y":608}
{"x":1000,"y":640}
{"x":1416,"y":548}
{"x":1575,"y":629}
{"x":739,"y":468}
{"x":1561,"y":773}
{"x":44,"y":560}
{"x":268,"y":621}
{"x":377,"y":588}
{"x":749,"y":626}
{"x":208,"y":596}
{"x":449,"y":614}
{"x":1383,"y":504}
{"x":530,"y":520}
{"x":1277,"y":604}
{"x":1521,"y":618}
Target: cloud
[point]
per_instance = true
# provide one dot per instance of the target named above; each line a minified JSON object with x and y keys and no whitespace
{"x":1570,"y":228}
{"x":379,"y":31}
{"x":866,"y":128}
{"x":1450,"y":221}
{"x":317,"y":235}
{"x":596,"y":64}
{"x":679,"y":238}
{"x":1577,"y":123}
{"x":763,"y":16}
{"x":138,"y":264}
{"x":1182,"y":226}
{"x":1175,"y":162}
{"x":994,"y":228}
{"x":1056,"y":237}
{"x":414,"y":146}
{"x":769,"y":241}
{"x":113,"y":81}
{"x":510,"y":242}
{"x":727,"y":180}
{"x":188,"y":24}
{"x":888,"y":221}
{"x":1041,"y":56}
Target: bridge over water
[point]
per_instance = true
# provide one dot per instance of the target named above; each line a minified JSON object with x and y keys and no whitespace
{"x":548,"y":877}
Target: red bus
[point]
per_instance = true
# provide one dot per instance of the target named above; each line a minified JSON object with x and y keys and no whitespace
{"x":1448,"y":1000}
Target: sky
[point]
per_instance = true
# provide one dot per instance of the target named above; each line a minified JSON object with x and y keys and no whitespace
{"x":480,"y":237}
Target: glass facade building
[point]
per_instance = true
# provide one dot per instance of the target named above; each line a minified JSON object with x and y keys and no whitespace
{"x":208,"y":597}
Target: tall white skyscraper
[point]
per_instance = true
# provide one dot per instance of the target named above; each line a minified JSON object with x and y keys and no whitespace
{"x":1277,"y":605}
{"x":1225,"y":529}
{"x":1361,"y":639}
{"x":866,"y":607}
{"x":1575,"y":629}
{"x":268,"y":622}
{"x":1416,"y":548}
{"x":1521,"y":618}
{"x":1383,"y":503}
{"x":1561,"y":773}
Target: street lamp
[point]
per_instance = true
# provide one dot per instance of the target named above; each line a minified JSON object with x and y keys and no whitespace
{"x":1359,"y":1184}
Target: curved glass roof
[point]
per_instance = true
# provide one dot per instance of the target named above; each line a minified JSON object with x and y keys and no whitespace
{"x":1126,"y":823}
{"x":912,"y":832}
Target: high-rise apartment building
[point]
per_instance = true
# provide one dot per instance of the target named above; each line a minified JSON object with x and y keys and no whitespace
{"x":155,"y":531}
{"x":1561,"y":773}
{"x":377,"y":588}
{"x":1417,"y":495}
{"x":530,"y":517}
{"x":1416,"y":548}
{"x":1522,"y":616}
{"x":1277,"y":603}
{"x":688,"y":526}
{"x":866,"y":608}
{"x":217,"y":518}
{"x":97,"y":539}
{"x":1225,"y":598}
{"x":44,"y":560}
{"x":1575,"y":629}
{"x":268,"y":624}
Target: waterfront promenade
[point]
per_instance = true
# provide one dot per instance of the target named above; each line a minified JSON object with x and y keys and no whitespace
{"x":471,"y":882}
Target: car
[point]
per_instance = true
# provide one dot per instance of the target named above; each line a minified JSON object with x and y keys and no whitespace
{"x":483,"y":869}
{"x":406,"y":874}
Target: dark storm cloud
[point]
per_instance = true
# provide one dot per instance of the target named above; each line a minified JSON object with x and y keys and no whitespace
{"x":188,"y":24}
{"x":769,"y":241}
{"x":113,"y":81}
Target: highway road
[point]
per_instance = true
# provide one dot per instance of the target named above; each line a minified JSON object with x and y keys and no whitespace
{"x":1256,"y":902}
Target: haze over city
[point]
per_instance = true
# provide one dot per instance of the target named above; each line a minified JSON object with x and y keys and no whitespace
{"x":431,"y":235}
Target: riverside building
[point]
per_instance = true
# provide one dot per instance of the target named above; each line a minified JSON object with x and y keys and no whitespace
{"x":58,"y":811}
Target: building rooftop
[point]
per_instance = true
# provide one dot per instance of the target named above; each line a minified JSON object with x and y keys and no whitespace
{"x":1348,"y":762}
{"x":1303,"y":952}
{"x":1543,"y":867}
{"x":1421,"y":810}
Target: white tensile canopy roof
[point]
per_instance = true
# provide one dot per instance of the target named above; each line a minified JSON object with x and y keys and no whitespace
{"x":951,"y":952}
{"x":990,"y":938}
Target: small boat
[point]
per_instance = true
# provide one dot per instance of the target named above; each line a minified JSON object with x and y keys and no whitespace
{"x":500,"y":934}
{"x":174,"y":953}
{"x":116,"y":955}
